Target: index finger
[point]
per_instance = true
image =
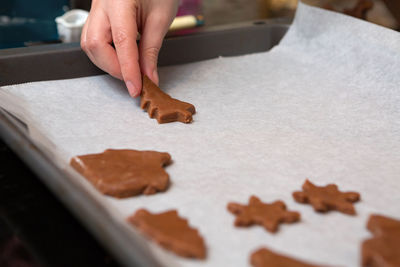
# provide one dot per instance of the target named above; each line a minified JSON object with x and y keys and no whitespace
{"x":122,"y":17}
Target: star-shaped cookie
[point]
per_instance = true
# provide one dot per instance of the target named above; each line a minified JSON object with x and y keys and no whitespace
{"x":124,"y":173}
{"x":267,"y":215}
{"x":325,"y":198}
{"x":161,"y":106}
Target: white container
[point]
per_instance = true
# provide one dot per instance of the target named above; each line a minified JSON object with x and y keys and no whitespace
{"x":69,"y":25}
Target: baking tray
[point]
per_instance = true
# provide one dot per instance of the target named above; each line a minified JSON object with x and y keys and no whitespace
{"x":64,"y":61}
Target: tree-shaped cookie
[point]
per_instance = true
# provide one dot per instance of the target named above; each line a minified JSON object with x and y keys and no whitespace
{"x":325,"y":198}
{"x":171,"y":232}
{"x":124,"y":173}
{"x":267,"y":215}
{"x":161,"y":106}
{"x":267,"y":258}
{"x":384,"y":248}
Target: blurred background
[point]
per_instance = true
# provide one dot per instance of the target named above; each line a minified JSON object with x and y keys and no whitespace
{"x":228,"y":11}
{"x":27,"y":23}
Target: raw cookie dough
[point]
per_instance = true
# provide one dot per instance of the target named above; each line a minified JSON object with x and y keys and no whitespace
{"x":266,"y":258}
{"x":383,"y":250}
{"x":324,"y":198}
{"x":171,"y":232}
{"x":124,"y":173}
{"x":161,"y":106}
{"x":267,"y":215}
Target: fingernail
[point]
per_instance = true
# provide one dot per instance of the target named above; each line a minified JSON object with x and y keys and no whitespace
{"x":133,"y":91}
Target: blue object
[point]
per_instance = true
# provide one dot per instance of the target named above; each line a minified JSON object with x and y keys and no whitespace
{"x":24,"y":21}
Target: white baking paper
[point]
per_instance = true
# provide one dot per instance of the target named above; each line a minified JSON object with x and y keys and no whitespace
{"x":323,"y":105}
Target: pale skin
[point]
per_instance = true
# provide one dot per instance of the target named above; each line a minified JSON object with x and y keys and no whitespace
{"x":118,"y":22}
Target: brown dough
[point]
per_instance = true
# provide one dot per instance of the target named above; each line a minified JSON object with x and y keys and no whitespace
{"x":171,"y":232}
{"x":266,"y":258}
{"x":267,"y":215}
{"x":383,"y":250}
{"x":324,"y":198}
{"x":125,"y":173}
{"x":161,"y":106}
{"x":360,"y":9}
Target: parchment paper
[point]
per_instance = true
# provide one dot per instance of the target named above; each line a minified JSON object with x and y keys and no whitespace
{"x":324,"y":104}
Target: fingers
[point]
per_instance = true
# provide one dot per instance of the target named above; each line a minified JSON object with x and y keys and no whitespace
{"x":154,"y":30}
{"x":117,"y":22}
{"x":84,"y":40}
{"x":96,"y":41}
{"x":83,"y":35}
{"x":124,"y":32}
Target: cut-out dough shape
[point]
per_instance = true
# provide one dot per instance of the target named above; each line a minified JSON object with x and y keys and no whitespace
{"x":267,"y":215}
{"x":161,"y":106}
{"x":267,"y":258}
{"x":125,"y":173}
{"x":171,"y":232}
{"x":325,"y":198}
{"x":383,"y":250}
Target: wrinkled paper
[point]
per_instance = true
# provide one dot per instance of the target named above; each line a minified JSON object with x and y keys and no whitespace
{"x":324,"y":104}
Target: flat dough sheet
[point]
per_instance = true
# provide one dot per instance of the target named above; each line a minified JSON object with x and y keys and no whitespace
{"x":324,"y":104}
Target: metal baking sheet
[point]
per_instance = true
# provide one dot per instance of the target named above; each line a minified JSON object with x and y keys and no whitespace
{"x":68,"y":61}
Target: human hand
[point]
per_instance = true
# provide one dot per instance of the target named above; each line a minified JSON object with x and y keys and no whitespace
{"x":118,"y":22}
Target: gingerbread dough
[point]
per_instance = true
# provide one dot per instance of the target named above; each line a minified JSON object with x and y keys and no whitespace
{"x":124,"y":173}
{"x":266,"y":258}
{"x":267,"y":215}
{"x":324,"y":198}
{"x":171,"y":232}
{"x":161,"y":106}
{"x":383,"y":250}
